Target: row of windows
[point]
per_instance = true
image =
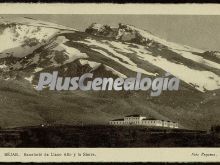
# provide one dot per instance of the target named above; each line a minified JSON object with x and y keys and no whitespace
{"x":122,"y":123}
{"x":144,"y":122}
{"x":134,"y":118}
{"x":135,"y":122}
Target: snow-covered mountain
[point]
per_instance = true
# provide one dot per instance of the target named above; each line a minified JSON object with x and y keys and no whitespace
{"x":29,"y":40}
{"x":30,"y":46}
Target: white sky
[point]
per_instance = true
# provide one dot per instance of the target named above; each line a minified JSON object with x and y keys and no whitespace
{"x":197,"y":31}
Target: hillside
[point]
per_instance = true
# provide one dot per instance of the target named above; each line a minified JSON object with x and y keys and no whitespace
{"x":32,"y":46}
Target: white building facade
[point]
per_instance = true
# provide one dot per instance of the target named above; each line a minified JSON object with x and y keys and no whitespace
{"x":143,"y":121}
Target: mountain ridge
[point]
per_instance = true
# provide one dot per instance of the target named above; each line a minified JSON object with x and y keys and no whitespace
{"x":122,"y":53}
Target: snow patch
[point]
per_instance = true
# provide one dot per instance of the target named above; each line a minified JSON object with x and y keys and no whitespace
{"x":30,"y":79}
{"x":150,"y":36}
{"x":73,"y":53}
{"x":126,"y":62}
{"x":3,"y":66}
{"x":197,"y":58}
{"x":115,"y":72}
{"x":6,"y":40}
{"x":200,"y":79}
{"x":7,"y":79}
{"x":15,"y":40}
{"x":95,"y":65}
{"x":37,"y":23}
{"x":183,"y":50}
{"x":98,"y":27}
{"x":120,"y":46}
{"x":38,"y":69}
{"x":92,"y":64}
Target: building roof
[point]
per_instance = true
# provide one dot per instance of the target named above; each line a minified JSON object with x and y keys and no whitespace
{"x":135,"y":115}
{"x":118,"y":120}
{"x":151,"y":118}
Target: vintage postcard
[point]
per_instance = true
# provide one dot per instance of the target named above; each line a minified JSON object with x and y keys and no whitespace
{"x":109,"y":83}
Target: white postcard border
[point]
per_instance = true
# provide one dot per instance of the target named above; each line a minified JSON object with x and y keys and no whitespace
{"x":112,"y":154}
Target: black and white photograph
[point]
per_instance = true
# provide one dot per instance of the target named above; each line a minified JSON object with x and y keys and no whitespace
{"x":109,"y":81}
